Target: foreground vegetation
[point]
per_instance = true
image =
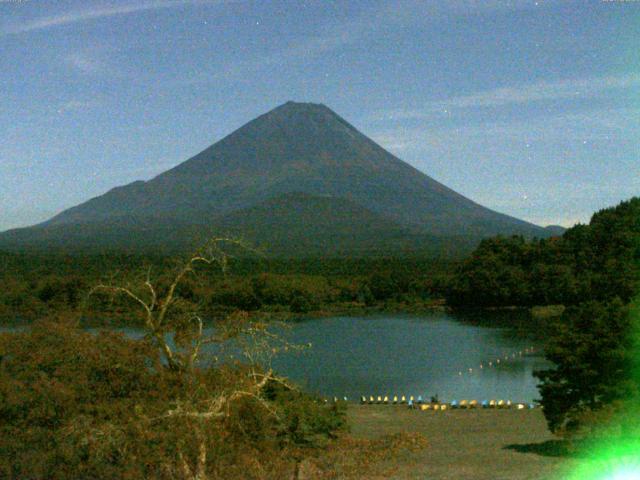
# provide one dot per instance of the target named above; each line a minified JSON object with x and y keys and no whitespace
{"x":76,"y":404}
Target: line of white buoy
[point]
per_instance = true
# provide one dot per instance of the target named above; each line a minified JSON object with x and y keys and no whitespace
{"x":495,"y":362}
{"x":411,"y":401}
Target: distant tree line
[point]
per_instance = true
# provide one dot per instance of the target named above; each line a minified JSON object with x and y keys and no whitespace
{"x":36,"y":285}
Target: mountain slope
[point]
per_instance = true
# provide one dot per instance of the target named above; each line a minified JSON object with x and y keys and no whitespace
{"x":298,"y":225}
{"x":297,"y":147}
{"x":290,"y":225}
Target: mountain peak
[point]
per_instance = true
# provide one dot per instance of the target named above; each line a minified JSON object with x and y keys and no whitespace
{"x":302,"y":111}
{"x":302,"y":106}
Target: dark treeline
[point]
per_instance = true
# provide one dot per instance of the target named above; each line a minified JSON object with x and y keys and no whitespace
{"x":35,"y":285}
{"x":598,"y":261}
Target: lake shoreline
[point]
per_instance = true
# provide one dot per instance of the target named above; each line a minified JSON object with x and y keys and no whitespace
{"x":122,"y":319}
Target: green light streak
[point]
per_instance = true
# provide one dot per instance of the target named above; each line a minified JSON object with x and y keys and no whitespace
{"x":615,"y":455}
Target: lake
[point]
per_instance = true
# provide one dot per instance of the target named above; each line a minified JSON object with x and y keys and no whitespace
{"x":428,"y":354}
{"x":416,"y":355}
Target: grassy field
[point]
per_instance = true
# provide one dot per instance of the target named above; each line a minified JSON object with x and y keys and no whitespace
{"x":466,"y":444}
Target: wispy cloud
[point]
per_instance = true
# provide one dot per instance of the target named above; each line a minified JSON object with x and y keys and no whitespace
{"x":416,"y":9}
{"x":328,"y":38}
{"x":572,"y":88}
{"x":393,"y":11}
{"x":84,"y":63}
{"x":579,"y":88}
{"x":83,"y":15}
{"x":560,"y":128}
{"x":366,"y":24}
{"x":382,"y":16}
{"x":75,"y":106}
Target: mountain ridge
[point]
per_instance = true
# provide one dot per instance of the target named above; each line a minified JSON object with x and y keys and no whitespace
{"x":295,"y":147}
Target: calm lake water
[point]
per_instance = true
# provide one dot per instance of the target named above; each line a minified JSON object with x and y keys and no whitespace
{"x":417,"y":355}
{"x":425,"y":354}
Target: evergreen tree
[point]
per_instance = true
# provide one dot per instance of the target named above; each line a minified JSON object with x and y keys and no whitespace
{"x":593,"y":356}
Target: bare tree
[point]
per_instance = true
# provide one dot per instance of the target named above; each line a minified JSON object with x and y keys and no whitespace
{"x":180,"y":336}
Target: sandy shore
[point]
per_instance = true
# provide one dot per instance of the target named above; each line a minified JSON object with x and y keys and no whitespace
{"x":474,"y":444}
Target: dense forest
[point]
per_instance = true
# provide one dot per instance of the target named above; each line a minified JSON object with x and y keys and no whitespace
{"x":598,"y":261}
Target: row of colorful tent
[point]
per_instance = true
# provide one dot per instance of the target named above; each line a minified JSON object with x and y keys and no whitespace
{"x":411,"y":402}
{"x":392,"y":400}
{"x":490,"y":404}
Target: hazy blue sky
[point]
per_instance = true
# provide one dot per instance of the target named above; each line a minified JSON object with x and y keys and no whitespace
{"x":529,"y":107}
